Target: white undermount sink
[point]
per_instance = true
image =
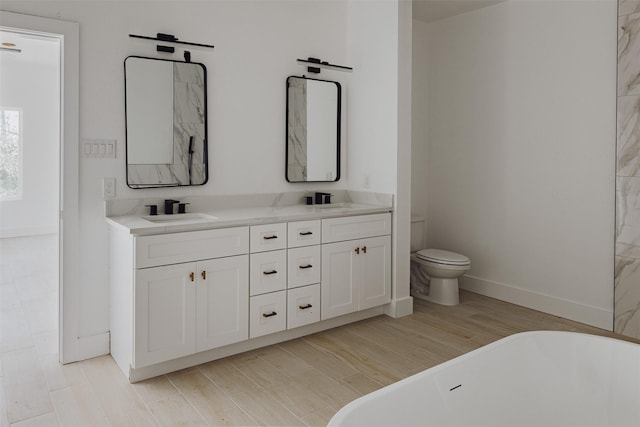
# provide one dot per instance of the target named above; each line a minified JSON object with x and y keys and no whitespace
{"x":179,"y":218}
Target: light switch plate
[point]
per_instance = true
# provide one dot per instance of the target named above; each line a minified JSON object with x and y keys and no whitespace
{"x":99,"y":148}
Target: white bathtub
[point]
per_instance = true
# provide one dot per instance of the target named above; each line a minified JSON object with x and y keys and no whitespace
{"x":528,"y":379}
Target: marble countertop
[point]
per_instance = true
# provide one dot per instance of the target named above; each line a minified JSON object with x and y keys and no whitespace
{"x":221,"y":218}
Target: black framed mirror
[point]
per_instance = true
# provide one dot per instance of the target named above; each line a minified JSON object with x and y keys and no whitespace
{"x":166,"y":122}
{"x":313,"y":130}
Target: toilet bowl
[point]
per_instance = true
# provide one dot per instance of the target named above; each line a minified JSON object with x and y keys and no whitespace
{"x":443,"y":269}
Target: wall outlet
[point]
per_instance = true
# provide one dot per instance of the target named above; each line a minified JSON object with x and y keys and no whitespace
{"x":108,"y":188}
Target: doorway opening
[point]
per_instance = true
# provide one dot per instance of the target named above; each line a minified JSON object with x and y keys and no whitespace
{"x":66,"y":35}
{"x":30,"y":147}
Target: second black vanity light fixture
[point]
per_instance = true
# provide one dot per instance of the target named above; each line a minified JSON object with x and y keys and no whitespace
{"x":317,"y":64}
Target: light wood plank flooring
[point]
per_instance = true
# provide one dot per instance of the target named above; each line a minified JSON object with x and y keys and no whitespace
{"x":299,"y":382}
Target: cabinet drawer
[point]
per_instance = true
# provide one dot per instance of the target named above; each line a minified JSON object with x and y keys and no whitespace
{"x":303,"y":265}
{"x":303,"y":306}
{"x":267,"y":272}
{"x":355,"y":227}
{"x":268,"y":237}
{"x":267,"y":314}
{"x":191,"y":246}
{"x":303,"y":233}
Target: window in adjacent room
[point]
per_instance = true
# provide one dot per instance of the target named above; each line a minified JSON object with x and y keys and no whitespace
{"x":10,"y":153}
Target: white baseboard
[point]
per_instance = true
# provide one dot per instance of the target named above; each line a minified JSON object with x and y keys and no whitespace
{"x":399,"y":307}
{"x":572,"y":310}
{"x":93,"y":346}
{"x":27,"y":231}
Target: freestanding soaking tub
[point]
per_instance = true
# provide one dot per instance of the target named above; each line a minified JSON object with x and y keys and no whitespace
{"x":529,"y":379}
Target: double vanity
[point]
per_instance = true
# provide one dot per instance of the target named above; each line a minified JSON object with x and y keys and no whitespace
{"x":194,"y":287}
{"x":227,"y":274}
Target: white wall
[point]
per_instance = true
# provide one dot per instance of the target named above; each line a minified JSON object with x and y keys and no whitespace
{"x":30,"y":81}
{"x":521,"y":151}
{"x":373,"y":103}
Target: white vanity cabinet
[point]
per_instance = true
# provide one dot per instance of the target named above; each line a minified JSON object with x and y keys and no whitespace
{"x":184,"y":293}
{"x":356,"y":263}
{"x":187,"y":297}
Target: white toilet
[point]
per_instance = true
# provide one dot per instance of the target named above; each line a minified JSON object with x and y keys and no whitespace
{"x":438,"y":267}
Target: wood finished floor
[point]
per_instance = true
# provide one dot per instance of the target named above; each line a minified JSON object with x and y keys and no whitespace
{"x":299,"y":382}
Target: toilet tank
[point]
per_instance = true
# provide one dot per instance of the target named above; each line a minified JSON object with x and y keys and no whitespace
{"x":417,"y":233}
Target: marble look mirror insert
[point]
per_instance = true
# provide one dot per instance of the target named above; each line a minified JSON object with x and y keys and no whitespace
{"x":313,"y":130}
{"x":166,"y":122}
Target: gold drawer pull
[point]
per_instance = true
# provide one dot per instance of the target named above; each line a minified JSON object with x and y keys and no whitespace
{"x":192,"y":276}
{"x":269,"y":272}
{"x":304,"y":307}
{"x":203,"y":274}
{"x":364,"y":249}
{"x":358,"y":251}
{"x":270,"y":237}
{"x":305,"y":266}
{"x":273,"y":313}
{"x":306,"y":233}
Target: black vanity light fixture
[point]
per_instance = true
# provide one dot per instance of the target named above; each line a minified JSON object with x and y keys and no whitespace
{"x":170,"y":38}
{"x":317,"y":64}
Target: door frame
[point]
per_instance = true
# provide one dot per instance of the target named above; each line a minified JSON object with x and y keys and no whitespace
{"x":69,"y":224}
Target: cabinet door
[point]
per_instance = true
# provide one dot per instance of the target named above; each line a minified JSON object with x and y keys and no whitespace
{"x":375,"y":279}
{"x":164,"y":314}
{"x":339,"y":293}
{"x":222,"y":303}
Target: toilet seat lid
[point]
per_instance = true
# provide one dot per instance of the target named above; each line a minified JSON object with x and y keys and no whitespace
{"x":443,"y":257}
